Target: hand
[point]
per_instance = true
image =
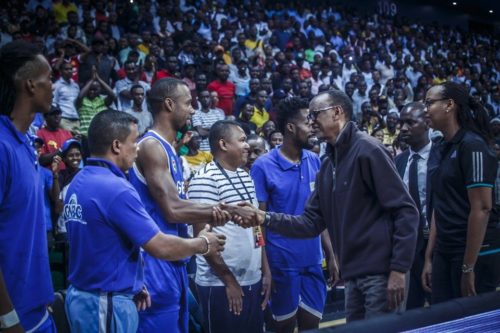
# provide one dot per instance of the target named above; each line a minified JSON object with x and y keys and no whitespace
{"x":142,"y":299}
{"x":234,"y":295}
{"x":186,"y":138}
{"x":467,"y":284}
{"x":94,"y":73}
{"x":395,"y":289}
{"x":219,"y":216}
{"x":245,"y":214}
{"x":215,"y":241}
{"x":266,"y":288}
{"x":427,"y":276}
{"x":56,"y":161}
{"x":333,"y":272}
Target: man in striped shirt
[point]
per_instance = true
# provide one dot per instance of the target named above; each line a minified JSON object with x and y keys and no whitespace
{"x":233,"y":288}
{"x":204,"y":118}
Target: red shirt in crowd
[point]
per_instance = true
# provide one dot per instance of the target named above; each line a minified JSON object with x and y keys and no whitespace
{"x":53,"y":140}
{"x":226,"y":93}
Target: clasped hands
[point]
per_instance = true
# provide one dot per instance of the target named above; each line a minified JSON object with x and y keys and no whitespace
{"x":244,"y":214}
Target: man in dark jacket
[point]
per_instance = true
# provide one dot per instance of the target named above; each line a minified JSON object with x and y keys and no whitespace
{"x":361,"y":200}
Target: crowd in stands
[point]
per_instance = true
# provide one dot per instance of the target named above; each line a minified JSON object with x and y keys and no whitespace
{"x":239,"y":60}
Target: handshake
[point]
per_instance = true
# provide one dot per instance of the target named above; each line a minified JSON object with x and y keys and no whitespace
{"x":244,"y":214}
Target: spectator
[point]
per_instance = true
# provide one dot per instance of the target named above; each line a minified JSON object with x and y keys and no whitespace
{"x":90,"y":102}
{"x":391,"y":130}
{"x":275,"y":139}
{"x":66,"y":91}
{"x":53,"y":137}
{"x":241,"y":79}
{"x":257,"y":148}
{"x":204,"y":118}
{"x":122,"y":87}
{"x":195,"y":157}
{"x":224,"y":88}
{"x":260,"y":114}
{"x":143,"y":116}
{"x":96,"y":57}
{"x":61,"y":9}
{"x":243,"y":120}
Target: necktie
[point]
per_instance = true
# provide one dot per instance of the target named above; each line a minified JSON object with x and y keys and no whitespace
{"x":413,"y":181}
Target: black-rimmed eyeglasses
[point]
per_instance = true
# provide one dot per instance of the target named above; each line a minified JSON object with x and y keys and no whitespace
{"x":313,"y":114}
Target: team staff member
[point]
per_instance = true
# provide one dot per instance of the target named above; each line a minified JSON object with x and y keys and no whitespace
{"x":157,"y":176}
{"x":234,"y":287}
{"x":107,"y":225}
{"x":284,"y":179}
{"x":370,"y":215}
{"x":25,"y":281}
{"x":463,"y":254}
{"x":412,"y":166}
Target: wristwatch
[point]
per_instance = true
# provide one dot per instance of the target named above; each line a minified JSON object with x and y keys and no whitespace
{"x":9,"y":319}
{"x":267,"y":219}
{"x":467,"y":269}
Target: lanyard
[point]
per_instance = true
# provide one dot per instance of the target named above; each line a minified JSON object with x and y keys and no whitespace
{"x":232,"y":184}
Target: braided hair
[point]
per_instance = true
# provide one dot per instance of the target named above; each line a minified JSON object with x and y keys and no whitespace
{"x":18,"y":61}
{"x":471,"y":114}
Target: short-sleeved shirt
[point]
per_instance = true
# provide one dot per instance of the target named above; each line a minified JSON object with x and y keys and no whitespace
{"x":144,"y":119}
{"x":243,"y":259}
{"x":24,"y":259}
{"x":285,"y":187}
{"x":206,"y":120}
{"x":464,"y":162}
{"x":259,"y":117}
{"x":89,"y":108}
{"x":107,"y":224}
{"x":226,"y":92}
{"x":125,"y":84}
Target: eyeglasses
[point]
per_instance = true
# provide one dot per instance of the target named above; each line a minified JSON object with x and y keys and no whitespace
{"x":429,"y":102}
{"x":313,"y":114}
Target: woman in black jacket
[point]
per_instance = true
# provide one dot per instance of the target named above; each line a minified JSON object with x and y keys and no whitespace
{"x":463,"y":253}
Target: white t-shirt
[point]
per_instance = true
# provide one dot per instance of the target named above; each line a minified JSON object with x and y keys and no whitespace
{"x":209,"y":185}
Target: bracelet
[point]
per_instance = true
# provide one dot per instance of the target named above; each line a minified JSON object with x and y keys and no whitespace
{"x":208,"y":244}
{"x":9,"y":319}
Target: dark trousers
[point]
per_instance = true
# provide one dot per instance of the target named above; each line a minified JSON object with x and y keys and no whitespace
{"x":216,"y":313}
{"x":416,"y":294}
{"x":447,"y":275}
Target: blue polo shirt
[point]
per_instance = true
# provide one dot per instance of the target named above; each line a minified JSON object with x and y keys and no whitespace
{"x":107,"y":224}
{"x":23,"y":240}
{"x":285,"y":187}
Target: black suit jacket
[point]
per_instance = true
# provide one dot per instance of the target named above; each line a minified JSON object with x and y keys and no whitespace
{"x":401,"y":162}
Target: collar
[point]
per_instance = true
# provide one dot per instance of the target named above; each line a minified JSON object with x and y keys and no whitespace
{"x":458,"y":136}
{"x":22,"y":138}
{"x":424,"y":152}
{"x":283,"y":162}
{"x":101,"y":162}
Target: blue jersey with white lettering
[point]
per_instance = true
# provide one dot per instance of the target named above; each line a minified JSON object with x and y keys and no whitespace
{"x":175,"y":169}
{"x":107,"y":224}
{"x":24,"y":259}
{"x":285,"y":187}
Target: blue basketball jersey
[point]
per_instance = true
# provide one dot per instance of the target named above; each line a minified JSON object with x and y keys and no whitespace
{"x":139,"y":182}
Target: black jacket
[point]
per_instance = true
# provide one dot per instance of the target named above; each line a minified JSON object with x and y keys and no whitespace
{"x":370,"y":215}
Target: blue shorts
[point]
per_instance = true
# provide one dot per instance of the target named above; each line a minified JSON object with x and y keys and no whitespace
{"x":167,"y":283}
{"x":218,"y":319}
{"x":294,"y":287}
{"x":90,"y":312}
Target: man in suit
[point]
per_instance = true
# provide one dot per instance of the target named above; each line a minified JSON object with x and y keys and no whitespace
{"x":412,"y":167}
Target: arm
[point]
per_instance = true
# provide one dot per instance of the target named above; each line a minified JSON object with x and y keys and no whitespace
{"x":427,"y":270}
{"x":331,"y":260}
{"x":6,"y":305}
{"x":203,"y":131}
{"x":46,"y":159}
{"x":110,"y":94}
{"x":480,"y":202}
{"x":83,"y":93}
{"x":168,"y":247}
{"x":153,"y":164}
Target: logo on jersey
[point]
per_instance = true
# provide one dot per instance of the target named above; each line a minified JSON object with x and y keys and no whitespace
{"x":72,"y":211}
{"x":173,"y":165}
